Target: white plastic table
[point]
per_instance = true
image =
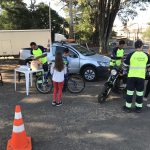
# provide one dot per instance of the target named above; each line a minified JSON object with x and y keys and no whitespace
{"x":28,"y":76}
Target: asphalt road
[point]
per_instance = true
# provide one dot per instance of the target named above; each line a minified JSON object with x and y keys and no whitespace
{"x":79,"y":124}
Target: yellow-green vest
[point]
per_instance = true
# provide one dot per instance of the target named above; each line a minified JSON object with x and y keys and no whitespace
{"x":38,"y":53}
{"x":117,"y":62}
{"x":138,"y":62}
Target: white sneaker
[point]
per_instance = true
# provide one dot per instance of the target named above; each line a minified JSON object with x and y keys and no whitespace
{"x":148,"y":105}
{"x":145,"y":99}
{"x":53,"y":103}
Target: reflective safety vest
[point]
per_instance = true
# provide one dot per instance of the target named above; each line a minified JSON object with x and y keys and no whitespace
{"x":117,"y":60}
{"x":138,"y":62}
{"x":38,"y":53}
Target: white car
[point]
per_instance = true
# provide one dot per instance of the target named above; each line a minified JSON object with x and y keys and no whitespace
{"x":86,"y":62}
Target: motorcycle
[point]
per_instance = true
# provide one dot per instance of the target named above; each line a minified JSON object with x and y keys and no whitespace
{"x":112,"y":83}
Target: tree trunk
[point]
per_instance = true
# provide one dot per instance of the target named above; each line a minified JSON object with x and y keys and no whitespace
{"x":108,"y":10}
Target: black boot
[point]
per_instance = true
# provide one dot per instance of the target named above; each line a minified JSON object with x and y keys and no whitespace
{"x":126,"y":109}
{"x":138,"y":109}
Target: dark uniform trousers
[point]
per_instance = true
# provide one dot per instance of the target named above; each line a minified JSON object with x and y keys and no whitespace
{"x":45,"y":67}
{"x":137,"y":85}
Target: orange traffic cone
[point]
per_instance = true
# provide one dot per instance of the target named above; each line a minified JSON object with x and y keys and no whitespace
{"x":19,"y":140}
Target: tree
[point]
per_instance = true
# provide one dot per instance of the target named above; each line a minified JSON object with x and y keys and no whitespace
{"x":101,"y":15}
{"x":40,"y":17}
{"x":16,"y":15}
{"x":113,"y":34}
{"x":107,"y":11}
{"x":70,"y":5}
{"x":146,"y":34}
{"x":83,"y":25}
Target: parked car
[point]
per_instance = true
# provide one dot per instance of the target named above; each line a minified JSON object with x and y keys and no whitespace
{"x":145,"y":48}
{"x":86,"y":62}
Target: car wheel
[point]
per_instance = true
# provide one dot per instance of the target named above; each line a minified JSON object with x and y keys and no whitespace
{"x":89,"y":74}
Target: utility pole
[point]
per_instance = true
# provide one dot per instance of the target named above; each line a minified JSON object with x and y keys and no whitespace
{"x":33,"y":5}
{"x":71,"y":27}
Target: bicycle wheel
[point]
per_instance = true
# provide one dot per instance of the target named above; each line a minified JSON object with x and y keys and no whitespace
{"x":44,"y":85}
{"x":75,"y":84}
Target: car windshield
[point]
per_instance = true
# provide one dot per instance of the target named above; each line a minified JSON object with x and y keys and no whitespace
{"x":84,"y":51}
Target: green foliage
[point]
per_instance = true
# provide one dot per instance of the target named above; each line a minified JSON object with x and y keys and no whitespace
{"x":95,"y":18}
{"x":113,"y":34}
{"x":12,"y":15}
{"x":83,"y":26}
{"x":128,"y":9}
{"x":16,"y":15}
{"x":146,"y":34}
{"x":40,"y":17}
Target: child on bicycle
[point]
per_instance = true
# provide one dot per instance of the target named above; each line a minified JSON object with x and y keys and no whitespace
{"x":66,"y":57}
{"x":58,"y":71}
{"x":66,"y":60}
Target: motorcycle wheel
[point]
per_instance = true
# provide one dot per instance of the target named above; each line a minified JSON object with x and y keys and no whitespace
{"x":104,"y":93}
{"x":101,"y":99}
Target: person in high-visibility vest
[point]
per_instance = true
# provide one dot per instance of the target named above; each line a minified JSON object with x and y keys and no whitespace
{"x":137,"y":62}
{"x":116,"y":60}
{"x":147,"y":86}
{"x":39,"y":55}
{"x":117,"y":54}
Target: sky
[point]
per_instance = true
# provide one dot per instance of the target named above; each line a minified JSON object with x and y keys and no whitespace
{"x":54,"y":5}
{"x":142,"y":18}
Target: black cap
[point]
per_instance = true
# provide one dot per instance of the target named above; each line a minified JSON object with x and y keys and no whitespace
{"x":138,"y":44}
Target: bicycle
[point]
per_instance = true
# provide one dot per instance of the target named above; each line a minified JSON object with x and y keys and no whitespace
{"x":74,"y":83}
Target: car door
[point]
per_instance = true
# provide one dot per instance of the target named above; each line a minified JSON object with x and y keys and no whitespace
{"x":54,"y":50}
{"x":74,"y":62}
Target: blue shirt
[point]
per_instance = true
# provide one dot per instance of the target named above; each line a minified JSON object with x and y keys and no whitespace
{"x":66,"y":60}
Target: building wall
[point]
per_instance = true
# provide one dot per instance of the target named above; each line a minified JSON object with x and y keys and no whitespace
{"x":12,"y":41}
